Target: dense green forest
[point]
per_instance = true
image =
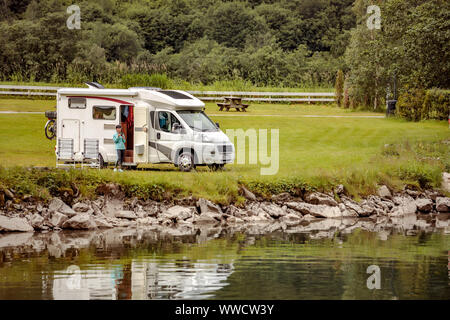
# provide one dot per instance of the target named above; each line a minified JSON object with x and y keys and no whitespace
{"x":284,"y":43}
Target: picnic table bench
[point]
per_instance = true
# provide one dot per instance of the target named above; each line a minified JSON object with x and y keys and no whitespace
{"x":232,"y":102}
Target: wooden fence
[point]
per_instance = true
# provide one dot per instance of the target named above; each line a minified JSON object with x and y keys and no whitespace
{"x":202,"y":95}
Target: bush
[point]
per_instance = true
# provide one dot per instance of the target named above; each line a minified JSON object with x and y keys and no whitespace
{"x":436,"y":105}
{"x":233,"y":85}
{"x":346,"y":98}
{"x":427,"y":176}
{"x":339,"y":87}
{"x":294,"y":186}
{"x":146,"y":80}
{"x":409,"y":105}
{"x":418,"y":104}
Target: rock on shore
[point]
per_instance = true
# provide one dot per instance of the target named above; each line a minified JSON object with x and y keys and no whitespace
{"x":281,"y":211}
{"x":14,"y":224}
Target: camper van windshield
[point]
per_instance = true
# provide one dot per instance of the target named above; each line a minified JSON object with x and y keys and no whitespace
{"x":197,"y":120}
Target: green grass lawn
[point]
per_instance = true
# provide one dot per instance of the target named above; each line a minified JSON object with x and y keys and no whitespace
{"x":29,"y":105}
{"x":294,"y":109}
{"x":319,"y":151}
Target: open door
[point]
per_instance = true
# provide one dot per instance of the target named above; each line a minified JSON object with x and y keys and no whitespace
{"x":141,"y":119}
{"x":127,"y":123}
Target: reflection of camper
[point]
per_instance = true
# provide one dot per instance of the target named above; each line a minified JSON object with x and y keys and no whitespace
{"x":160,"y":126}
{"x":142,"y":280}
{"x":74,"y":284}
{"x":184,"y":280}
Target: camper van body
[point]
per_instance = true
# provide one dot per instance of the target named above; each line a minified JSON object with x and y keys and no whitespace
{"x":148,"y":117}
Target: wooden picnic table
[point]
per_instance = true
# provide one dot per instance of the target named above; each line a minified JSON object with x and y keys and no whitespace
{"x":232,"y":102}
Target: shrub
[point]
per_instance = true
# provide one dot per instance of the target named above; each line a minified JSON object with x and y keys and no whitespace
{"x":409,"y":105}
{"x":346,"y":93}
{"x":294,"y":186}
{"x":233,"y":85}
{"x":418,"y":104}
{"x":146,"y":80}
{"x":436,"y":105}
{"x":145,"y":191}
{"x":427,"y":176}
{"x":339,"y":87}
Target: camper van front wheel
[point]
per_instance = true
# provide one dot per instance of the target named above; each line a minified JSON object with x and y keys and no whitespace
{"x":186,"y":161}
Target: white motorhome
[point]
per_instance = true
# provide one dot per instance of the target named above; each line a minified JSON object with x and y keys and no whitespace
{"x":160,"y":126}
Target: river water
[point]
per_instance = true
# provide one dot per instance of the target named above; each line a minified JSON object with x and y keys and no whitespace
{"x":220,"y":264}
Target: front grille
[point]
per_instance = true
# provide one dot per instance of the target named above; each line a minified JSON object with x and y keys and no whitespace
{"x":226,"y":148}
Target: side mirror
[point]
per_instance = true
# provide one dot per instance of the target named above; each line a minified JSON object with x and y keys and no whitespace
{"x":218,"y":125}
{"x":176,"y":127}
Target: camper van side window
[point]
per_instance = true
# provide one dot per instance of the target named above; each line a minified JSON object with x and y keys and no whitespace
{"x":77,"y":103}
{"x":166,"y":121}
{"x":104,"y":113}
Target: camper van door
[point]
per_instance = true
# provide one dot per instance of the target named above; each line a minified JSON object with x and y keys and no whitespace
{"x":141,"y":126}
{"x":71,"y":130}
{"x":169,"y":132}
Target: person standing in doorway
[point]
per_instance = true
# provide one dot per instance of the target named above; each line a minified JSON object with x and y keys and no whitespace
{"x":119,"y":141}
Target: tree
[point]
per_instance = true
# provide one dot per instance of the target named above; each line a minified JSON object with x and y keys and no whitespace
{"x":413,"y":43}
{"x":339,"y":87}
{"x":10,"y":9}
{"x":230,"y":23}
{"x":276,"y":42}
{"x":346,"y":93}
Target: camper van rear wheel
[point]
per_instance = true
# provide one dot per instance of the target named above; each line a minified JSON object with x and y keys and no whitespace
{"x":101,"y":162}
{"x":186,"y":161}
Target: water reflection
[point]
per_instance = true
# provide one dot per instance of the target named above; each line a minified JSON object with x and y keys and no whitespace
{"x":315,"y":261}
{"x":178,"y":280}
{"x":86,"y":285}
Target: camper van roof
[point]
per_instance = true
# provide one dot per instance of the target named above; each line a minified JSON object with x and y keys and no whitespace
{"x":175,"y":99}
{"x":97,"y":92}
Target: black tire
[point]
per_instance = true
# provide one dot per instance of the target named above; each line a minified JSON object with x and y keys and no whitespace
{"x":101,"y":162}
{"x":185,"y":161}
{"x":51,"y":115}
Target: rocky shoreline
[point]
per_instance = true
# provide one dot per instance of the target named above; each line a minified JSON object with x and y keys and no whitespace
{"x":180,"y":217}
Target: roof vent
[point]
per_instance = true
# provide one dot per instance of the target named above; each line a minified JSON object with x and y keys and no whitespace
{"x":174,"y":94}
{"x":94,"y":85}
{"x":146,"y":88}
